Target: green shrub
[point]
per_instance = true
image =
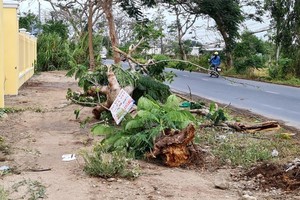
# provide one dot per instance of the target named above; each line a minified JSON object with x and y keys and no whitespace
{"x":52,"y":53}
{"x":251,"y":61}
{"x":110,"y":164}
{"x":281,"y":69}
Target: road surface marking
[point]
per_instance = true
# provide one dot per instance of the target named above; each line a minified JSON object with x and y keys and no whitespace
{"x":272,"y":92}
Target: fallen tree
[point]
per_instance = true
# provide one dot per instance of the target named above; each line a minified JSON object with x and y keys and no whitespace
{"x":111,"y":90}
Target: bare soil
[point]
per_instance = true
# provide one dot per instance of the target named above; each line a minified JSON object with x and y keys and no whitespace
{"x":47,"y":129}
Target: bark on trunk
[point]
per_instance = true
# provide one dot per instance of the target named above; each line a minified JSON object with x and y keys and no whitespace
{"x":107,"y":8}
{"x":179,"y":32}
{"x":90,"y":32}
{"x":253,"y":128}
{"x":229,"y":61}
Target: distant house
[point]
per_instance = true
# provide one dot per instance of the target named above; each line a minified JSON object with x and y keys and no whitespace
{"x":153,"y":50}
{"x":195,"y":51}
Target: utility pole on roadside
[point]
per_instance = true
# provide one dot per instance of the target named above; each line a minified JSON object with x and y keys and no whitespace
{"x":39,"y":10}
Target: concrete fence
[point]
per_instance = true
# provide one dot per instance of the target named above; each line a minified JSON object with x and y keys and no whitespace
{"x":17,"y":51}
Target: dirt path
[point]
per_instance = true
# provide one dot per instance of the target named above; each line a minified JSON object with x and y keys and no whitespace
{"x":47,"y":129}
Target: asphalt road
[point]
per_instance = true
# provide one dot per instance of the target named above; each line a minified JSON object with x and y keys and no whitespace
{"x":273,"y":101}
{"x":270,"y":100}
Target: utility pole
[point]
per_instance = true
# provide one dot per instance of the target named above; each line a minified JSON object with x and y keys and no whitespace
{"x":39,"y":11}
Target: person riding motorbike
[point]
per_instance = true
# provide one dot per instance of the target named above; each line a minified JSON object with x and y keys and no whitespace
{"x":215,"y":60}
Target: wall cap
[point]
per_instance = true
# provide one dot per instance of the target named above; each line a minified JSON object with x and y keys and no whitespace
{"x":10,"y":4}
{"x":22,"y":30}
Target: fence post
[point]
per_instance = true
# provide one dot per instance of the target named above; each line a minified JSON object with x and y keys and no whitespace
{"x":1,"y":57}
{"x":11,"y":47}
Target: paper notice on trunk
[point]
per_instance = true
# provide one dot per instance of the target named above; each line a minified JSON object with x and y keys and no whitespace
{"x":121,"y":106}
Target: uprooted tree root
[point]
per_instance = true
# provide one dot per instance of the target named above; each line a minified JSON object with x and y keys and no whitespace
{"x":275,"y":176}
{"x":176,"y":148}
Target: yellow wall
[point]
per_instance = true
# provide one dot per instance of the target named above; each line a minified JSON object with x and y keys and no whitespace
{"x":11,"y":49}
{"x":1,"y":58}
{"x":17,"y":51}
{"x":27,"y":56}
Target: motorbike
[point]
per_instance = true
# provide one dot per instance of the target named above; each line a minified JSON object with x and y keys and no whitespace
{"x":214,"y":71}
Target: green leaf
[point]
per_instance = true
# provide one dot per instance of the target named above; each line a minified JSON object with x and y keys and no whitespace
{"x":134,"y":124}
{"x":146,"y":115}
{"x":212,"y":107}
{"x":172,"y":101}
{"x":178,"y":116}
{"x":103,"y":129}
{"x":71,"y":72}
{"x":147,"y":104}
{"x":76,"y":112}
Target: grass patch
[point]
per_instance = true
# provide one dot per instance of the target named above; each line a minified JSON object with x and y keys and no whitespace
{"x":238,"y":149}
{"x":262,"y":75}
{"x":16,"y":110}
{"x":102,"y":163}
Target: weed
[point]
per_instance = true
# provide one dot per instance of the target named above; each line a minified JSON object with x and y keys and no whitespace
{"x":110,"y":164}
{"x":35,"y":190}
{"x":3,"y":194}
{"x":84,"y":123}
{"x":16,"y":110}
{"x":245,"y":150}
{"x":4,"y":148}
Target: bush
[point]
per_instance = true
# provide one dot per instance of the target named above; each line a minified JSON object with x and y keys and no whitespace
{"x":281,"y":70}
{"x":107,"y":165}
{"x":252,"y":61}
{"x":52,"y":53}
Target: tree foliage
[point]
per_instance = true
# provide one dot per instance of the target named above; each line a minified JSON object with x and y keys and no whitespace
{"x":249,"y":53}
{"x":59,"y":27}
{"x":226,"y":13}
{"x":286,"y":22}
{"x":29,"y":21}
{"x":53,"y":52}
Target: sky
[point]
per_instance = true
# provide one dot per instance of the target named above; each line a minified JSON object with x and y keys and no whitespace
{"x":204,"y":36}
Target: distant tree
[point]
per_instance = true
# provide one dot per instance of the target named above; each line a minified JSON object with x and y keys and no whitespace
{"x":228,"y":16}
{"x":249,"y":53}
{"x":184,"y":21}
{"x":59,"y":27}
{"x":29,"y":21}
{"x":286,"y":22}
{"x":160,"y":23}
{"x":82,"y":16}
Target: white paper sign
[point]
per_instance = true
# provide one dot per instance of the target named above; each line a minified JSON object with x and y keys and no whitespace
{"x":121,"y":106}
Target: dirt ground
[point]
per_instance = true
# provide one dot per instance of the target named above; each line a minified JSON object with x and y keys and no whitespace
{"x":47,"y":129}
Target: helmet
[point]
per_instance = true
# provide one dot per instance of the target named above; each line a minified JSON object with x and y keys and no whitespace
{"x":216,"y":53}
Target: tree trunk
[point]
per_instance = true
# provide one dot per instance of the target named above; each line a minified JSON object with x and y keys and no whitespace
{"x":179,"y":32}
{"x":90,"y":32}
{"x":107,"y":8}
{"x":221,"y":28}
{"x":229,"y":60}
{"x":111,"y":91}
